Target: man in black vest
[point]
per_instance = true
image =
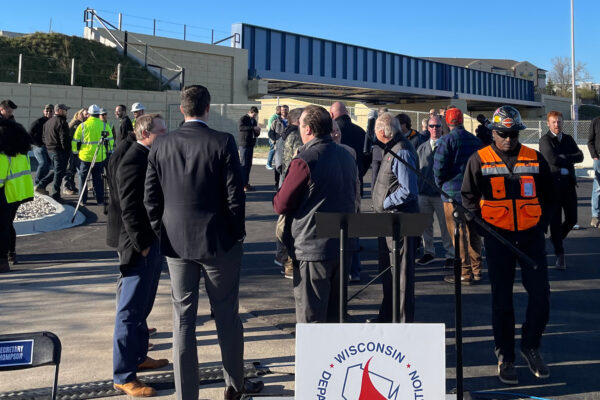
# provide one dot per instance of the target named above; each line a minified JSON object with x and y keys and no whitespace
{"x":321,"y":178}
{"x":561,"y":152}
{"x":396,"y":190}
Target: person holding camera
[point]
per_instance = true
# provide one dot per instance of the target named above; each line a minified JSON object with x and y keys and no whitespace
{"x":90,"y":134}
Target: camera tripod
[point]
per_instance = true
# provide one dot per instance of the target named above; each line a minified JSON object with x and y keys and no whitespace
{"x":103,"y":144}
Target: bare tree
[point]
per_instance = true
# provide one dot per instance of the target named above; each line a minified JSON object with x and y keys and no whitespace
{"x":560,"y":75}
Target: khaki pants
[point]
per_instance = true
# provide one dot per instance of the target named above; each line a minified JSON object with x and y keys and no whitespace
{"x":470,"y":242}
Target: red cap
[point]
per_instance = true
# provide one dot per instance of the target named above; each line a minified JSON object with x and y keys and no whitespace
{"x":454,"y":116}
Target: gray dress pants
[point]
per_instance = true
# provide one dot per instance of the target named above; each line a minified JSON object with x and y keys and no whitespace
{"x":222,"y":282}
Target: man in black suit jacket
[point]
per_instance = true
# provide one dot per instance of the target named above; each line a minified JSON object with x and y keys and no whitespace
{"x":139,"y":257}
{"x":196,"y":203}
{"x":126,"y":127}
{"x":561,"y":152}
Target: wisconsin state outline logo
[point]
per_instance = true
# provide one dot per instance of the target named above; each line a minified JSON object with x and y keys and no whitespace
{"x":370,"y":371}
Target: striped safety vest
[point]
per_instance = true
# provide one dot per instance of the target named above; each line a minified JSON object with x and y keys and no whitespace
{"x":88,"y":136}
{"x":15,"y":177}
{"x":514,"y":205}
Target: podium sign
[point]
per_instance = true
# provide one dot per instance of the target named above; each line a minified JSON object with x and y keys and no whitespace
{"x":370,"y":361}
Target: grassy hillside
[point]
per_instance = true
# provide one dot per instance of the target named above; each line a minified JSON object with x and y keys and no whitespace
{"x":47,"y":59}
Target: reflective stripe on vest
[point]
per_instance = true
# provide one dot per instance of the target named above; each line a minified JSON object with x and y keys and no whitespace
{"x":504,"y":210}
{"x":18,"y":183}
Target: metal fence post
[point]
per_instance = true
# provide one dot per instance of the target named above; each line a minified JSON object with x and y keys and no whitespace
{"x":539,"y":129}
{"x":119,"y":75}
{"x":146,"y":56}
{"x":72,"y":72}
{"x":19,"y":76}
{"x":120,"y":21}
{"x":154,"y":28}
{"x":184,"y":30}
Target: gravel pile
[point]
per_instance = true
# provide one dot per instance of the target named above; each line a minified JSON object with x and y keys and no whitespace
{"x":34,"y":209}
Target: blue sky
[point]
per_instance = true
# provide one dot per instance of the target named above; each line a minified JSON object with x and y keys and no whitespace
{"x":532,"y":30}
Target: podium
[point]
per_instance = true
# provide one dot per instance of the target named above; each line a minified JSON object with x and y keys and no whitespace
{"x":355,"y":225}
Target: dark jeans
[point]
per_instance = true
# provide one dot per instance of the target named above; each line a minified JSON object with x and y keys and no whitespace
{"x":136,"y":290}
{"x":567,"y":203}
{"x":72,"y":168}
{"x":84,"y":167}
{"x":246,"y":162}
{"x":8,"y":236}
{"x":44,"y":163}
{"x":501,"y":266}
{"x":59,"y":161}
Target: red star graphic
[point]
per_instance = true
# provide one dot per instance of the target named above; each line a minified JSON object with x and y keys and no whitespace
{"x":330,"y":365}
{"x":407,"y":365}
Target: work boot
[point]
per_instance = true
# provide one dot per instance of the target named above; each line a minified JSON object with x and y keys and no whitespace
{"x":560,"y":262}
{"x":535,"y":363}
{"x":4,"y":267}
{"x":69,"y":191}
{"x":507,"y":373}
{"x":288,"y":269}
{"x":136,"y":388}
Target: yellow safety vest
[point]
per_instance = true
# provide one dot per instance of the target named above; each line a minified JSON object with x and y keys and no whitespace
{"x":88,"y":136}
{"x":15,"y":177}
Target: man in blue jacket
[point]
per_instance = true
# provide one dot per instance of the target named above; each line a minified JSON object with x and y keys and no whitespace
{"x":450,"y":160}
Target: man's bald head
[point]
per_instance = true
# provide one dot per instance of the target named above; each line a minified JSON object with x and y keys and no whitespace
{"x":338,"y":109}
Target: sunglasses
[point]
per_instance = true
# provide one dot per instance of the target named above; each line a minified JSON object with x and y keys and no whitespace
{"x":504,"y":135}
{"x":435,"y":126}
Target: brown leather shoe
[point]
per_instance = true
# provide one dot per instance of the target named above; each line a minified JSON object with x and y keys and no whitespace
{"x":136,"y":388}
{"x":151,"y":363}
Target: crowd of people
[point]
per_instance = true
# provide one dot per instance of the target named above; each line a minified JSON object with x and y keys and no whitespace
{"x":181,"y":196}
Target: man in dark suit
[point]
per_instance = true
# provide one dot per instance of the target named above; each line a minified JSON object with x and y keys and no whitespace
{"x":561,"y":152}
{"x":139,"y":256}
{"x":248,"y":132}
{"x":195,"y":200}
{"x":126,"y":126}
{"x":353,"y":136}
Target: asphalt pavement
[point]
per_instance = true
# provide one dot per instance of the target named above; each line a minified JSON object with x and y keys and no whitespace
{"x":65,"y":283}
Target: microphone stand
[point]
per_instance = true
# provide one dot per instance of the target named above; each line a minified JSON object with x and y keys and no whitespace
{"x":470,"y":216}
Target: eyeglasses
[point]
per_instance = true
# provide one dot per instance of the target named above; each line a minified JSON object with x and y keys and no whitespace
{"x":511,"y":134}
{"x":435,"y":126}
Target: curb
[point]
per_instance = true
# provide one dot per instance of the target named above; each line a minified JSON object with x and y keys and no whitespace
{"x":61,"y":219}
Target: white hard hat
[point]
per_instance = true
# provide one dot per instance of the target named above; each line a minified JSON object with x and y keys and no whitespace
{"x":137,"y":107}
{"x":102,"y":111}
{"x":94,"y":109}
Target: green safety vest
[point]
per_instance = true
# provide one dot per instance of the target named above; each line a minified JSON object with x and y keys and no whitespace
{"x":88,"y":136}
{"x":15,"y":177}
